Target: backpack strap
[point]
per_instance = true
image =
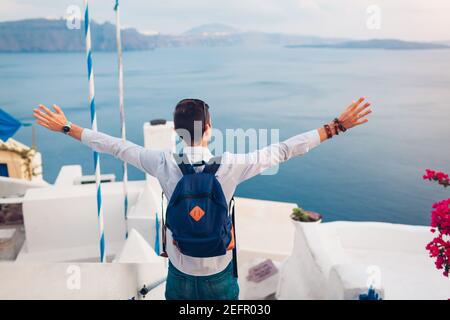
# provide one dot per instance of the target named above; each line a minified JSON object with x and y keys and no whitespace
{"x":188,"y":168}
{"x":183,"y":163}
{"x":164,"y":228}
{"x":213,"y":165}
{"x":233,"y":220}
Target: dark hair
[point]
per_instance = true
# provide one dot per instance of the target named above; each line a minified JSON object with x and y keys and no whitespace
{"x":187,"y":112}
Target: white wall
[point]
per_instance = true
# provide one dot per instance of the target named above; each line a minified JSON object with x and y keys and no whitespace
{"x":60,"y":281}
{"x":65,"y":217}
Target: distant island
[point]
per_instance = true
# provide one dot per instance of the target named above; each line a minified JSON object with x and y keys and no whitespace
{"x":388,"y":44}
{"x":44,"y":35}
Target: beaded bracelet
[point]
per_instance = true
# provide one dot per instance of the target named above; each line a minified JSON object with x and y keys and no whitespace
{"x":328,"y":131}
{"x":339,"y":125}
{"x":336,"y":128}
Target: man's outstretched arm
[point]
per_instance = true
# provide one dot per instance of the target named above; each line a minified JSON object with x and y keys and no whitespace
{"x":252,"y":164}
{"x":354,"y":115}
{"x":143,"y":159}
{"x":55,"y":121}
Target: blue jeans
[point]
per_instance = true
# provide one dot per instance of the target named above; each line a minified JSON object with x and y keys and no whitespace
{"x":219,"y":286}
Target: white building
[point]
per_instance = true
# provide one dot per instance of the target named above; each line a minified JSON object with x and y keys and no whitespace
{"x":337,"y":260}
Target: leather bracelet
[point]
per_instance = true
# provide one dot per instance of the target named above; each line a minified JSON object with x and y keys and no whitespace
{"x":336,"y":129}
{"x":336,"y":125}
{"x":328,"y":131}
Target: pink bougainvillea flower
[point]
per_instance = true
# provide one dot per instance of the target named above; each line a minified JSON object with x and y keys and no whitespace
{"x":439,"y":247}
{"x":441,"y":177}
{"x":429,"y":174}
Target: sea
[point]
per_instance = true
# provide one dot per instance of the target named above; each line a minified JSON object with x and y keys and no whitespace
{"x":371,"y":173}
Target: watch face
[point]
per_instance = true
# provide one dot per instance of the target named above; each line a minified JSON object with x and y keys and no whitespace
{"x":66,"y":129}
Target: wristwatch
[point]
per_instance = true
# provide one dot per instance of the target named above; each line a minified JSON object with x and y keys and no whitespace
{"x":66,"y":128}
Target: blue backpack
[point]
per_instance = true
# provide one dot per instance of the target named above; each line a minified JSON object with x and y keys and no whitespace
{"x":197,"y":213}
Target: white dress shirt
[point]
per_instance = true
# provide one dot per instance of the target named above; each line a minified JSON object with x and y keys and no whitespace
{"x":234,"y":169}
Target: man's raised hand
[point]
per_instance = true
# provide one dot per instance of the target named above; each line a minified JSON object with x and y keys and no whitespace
{"x":52,"y":120}
{"x":355,"y":114}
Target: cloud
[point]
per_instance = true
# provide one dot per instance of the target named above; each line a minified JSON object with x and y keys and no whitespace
{"x":14,"y":8}
{"x":406,"y":19}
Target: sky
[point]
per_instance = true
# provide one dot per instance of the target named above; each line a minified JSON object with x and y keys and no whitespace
{"x":420,"y":20}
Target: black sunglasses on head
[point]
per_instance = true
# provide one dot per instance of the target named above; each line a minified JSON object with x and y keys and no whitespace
{"x":205,"y":107}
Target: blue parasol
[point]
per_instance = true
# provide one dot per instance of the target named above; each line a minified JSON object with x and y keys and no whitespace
{"x":9,"y":125}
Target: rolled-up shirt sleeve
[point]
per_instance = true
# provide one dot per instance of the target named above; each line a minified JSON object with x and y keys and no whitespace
{"x":144,"y":159}
{"x":246,"y":166}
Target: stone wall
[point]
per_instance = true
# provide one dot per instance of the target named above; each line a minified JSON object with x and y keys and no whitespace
{"x":11,"y":214}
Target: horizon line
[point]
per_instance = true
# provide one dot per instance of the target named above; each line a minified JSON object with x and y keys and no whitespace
{"x":238,"y":30}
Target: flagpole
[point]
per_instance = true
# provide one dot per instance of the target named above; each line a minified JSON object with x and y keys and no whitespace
{"x":90,"y":69}
{"x":122,"y":113}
